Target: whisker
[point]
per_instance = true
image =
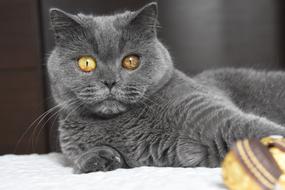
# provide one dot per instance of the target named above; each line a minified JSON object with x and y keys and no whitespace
{"x":32,"y":124}
{"x":155,"y":103}
{"x":41,"y":127}
{"x":148,"y":99}
{"x":72,"y":111}
{"x":147,"y":106}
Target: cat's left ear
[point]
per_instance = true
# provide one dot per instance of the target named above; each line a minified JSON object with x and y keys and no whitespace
{"x":145,"y":19}
{"x":64,"y":25}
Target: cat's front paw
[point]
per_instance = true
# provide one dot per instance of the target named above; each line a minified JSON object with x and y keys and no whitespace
{"x":101,"y":158}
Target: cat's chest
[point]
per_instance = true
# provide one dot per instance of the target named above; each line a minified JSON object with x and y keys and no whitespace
{"x":142,"y":140}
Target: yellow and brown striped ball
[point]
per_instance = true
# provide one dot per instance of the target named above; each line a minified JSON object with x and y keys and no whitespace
{"x":255,"y":165}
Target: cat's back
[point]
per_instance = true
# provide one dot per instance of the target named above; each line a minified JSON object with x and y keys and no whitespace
{"x":238,"y":81}
{"x":253,"y":91}
{"x":240,"y":76}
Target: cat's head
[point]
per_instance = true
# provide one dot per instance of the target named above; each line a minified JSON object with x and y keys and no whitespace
{"x":107,"y":63}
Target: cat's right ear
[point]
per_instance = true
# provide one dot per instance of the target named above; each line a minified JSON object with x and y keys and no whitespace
{"x":144,"y":21}
{"x":63,"y":24}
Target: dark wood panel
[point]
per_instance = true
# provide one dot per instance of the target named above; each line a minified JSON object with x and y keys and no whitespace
{"x":281,"y":31}
{"x":19,"y":34}
{"x":209,"y":34}
{"x":21,"y":101}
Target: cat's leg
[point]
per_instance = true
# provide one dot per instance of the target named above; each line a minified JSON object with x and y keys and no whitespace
{"x":99,"y":158}
{"x":85,"y":151}
{"x":206,"y":141}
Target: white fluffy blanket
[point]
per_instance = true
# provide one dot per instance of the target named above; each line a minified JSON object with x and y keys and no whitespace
{"x":48,"y":172}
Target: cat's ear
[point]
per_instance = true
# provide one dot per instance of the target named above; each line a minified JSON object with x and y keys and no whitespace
{"x":145,"y":19}
{"x":64,"y":25}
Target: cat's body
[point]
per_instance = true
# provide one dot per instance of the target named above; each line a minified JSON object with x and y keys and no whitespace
{"x":173,"y":120}
{"x":189,"y":121}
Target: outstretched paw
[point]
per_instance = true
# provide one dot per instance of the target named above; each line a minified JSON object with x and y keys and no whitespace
{"x":101,"y":158}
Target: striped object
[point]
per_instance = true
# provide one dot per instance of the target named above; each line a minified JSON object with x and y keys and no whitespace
{"x":254,"y":165}
{"x":276,"y":147}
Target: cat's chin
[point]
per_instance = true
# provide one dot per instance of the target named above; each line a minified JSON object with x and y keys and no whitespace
{"x":109,"y":108}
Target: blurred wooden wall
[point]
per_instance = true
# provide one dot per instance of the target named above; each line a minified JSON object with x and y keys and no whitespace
{"x":21,"y":82}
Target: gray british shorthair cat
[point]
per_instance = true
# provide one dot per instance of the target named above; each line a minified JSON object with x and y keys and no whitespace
{"x":124,"y":105}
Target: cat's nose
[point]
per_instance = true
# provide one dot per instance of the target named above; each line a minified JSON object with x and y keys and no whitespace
{"x":109,"y":83}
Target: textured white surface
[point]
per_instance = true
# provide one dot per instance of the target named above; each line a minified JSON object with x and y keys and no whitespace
{"x":49,"y":172}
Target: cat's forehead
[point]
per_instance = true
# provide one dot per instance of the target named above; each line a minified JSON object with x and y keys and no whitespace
{"x":106,"y":31}
{"x":106,"y":23}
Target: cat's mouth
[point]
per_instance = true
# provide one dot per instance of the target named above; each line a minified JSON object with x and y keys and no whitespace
{"x":110,"y":106}
{"x":106,"y":102}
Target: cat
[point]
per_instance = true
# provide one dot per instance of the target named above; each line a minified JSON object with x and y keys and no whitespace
{"x":128,"y":106}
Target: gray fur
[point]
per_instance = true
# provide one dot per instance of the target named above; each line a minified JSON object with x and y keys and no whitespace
{"x":154,"y":115}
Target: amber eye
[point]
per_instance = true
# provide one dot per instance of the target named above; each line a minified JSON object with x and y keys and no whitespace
{"x":131,"y":62}
{"x":86,"y":63}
